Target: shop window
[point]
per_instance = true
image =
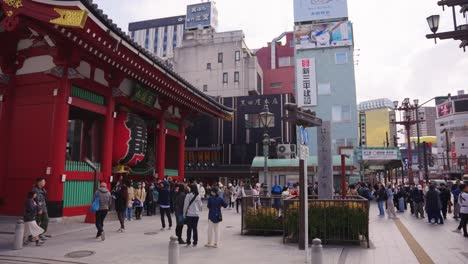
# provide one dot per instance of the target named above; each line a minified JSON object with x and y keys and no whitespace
{"x":84,"y":136}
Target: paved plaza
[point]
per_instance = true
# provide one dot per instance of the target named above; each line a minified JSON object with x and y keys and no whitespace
{"x":388,"y":244}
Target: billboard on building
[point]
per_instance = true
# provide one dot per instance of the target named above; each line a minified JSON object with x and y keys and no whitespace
{"x":309,"y":10}
{"x":306,"y":82}
{"x":324,"y":35}
{"x":445,"y":109}
{"x":201,"y":15}
{"x":380,"y":154}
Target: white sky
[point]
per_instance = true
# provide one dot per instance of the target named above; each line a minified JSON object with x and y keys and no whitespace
{"x":395,"y":58}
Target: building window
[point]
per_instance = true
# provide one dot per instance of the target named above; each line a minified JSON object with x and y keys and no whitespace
{"x":253,"y":121}
{"x":341,"y":58}
{"x":220,"y":57}
{"x":236,"y":76}
{"x":276,"y":85}
{"x":341,"y":113}
{"x":284,"y":61}
{"x":205,"y":88}
{"x":208,"y":66}
{"x":237,"y":55}
{"x":225,"y":77}
{"x":324,"y":89}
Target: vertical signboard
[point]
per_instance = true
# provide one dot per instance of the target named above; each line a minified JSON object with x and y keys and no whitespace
{"x":308,"y":10}
{"x":306,"y":82}
{"x":362,"y":128}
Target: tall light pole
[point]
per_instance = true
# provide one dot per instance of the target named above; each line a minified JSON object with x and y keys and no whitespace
{"x":416,"y":101}
{"x":407,"y":108}
{"x":266,"y":120}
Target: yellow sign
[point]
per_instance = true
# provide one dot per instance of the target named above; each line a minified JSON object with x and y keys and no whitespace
{"x":70,"y":18}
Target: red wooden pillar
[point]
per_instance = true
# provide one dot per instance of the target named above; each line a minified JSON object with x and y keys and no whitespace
{"x":6,"y":108}
{"x":57,"y":159}
{"x":181,"y":152}
{"x":161,"y":147}
{"x":107,"y":140}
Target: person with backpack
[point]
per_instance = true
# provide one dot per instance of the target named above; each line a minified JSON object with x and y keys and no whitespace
{"x":381,"y":196}
{"x":214,"y":217}
{"x":105,"y":201}
{"x":192,"y":207}
{"x":463,"y":202}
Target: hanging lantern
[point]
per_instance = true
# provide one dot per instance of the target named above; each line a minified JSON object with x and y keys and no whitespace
{"x":130,"y":139}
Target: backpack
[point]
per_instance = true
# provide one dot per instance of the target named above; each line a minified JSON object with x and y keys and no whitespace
{"x":276,"y":190}
{"x":385,"y":195}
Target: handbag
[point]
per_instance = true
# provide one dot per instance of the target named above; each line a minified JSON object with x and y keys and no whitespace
{"x":191,"y":201}
{"x":95,"y":205}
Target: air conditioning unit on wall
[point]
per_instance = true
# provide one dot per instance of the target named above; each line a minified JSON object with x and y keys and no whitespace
{"x":286,"y":151}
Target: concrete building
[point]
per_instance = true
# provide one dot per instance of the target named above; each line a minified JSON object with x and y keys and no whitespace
{"x":336,"y":95}
{"x":452,"y":132}
{"x":224,"y":151}
{"x":427,"y":128}
{"x":375,"y":127}
{"x":159,"y":36}
{"x":278,"y":73}
{"x":219,"y":64}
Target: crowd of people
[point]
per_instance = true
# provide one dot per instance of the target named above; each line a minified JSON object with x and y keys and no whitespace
{"x":132,"y":200}
{"x":432,"y":201}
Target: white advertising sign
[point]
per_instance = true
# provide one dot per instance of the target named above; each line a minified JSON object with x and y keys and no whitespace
{"x":306,"y":82}
{"x":379,"y":154}
{"x":309,"y":10}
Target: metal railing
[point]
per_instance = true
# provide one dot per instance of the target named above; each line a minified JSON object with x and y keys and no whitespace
{"x":262,"y":215}
{"x":333,"y":221}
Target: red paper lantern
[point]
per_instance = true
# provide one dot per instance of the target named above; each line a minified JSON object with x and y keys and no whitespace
{"x":130,"y":139}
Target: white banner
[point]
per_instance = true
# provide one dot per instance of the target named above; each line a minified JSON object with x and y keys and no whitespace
{"x":306,"y":82}
{"x":309,"y":10}
{"x":379,"y":154}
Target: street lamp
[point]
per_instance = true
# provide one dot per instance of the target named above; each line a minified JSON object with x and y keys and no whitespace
{"x":266,"y":120}
{"x":433,"y":22}
{"x":407,"y":108}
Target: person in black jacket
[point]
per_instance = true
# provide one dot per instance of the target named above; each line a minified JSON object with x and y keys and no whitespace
{"x":433,"y":206}
{"x":150,"y":201}
{"x":417,"y":197}
{"x":179,"y":211}
{"x":165,"y":203}
{"x":31,"y":210}
{"x":121,"y":198}
{"x":445,"y":197}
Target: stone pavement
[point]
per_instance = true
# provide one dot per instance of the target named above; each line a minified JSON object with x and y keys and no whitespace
{"x":387,"y":244}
